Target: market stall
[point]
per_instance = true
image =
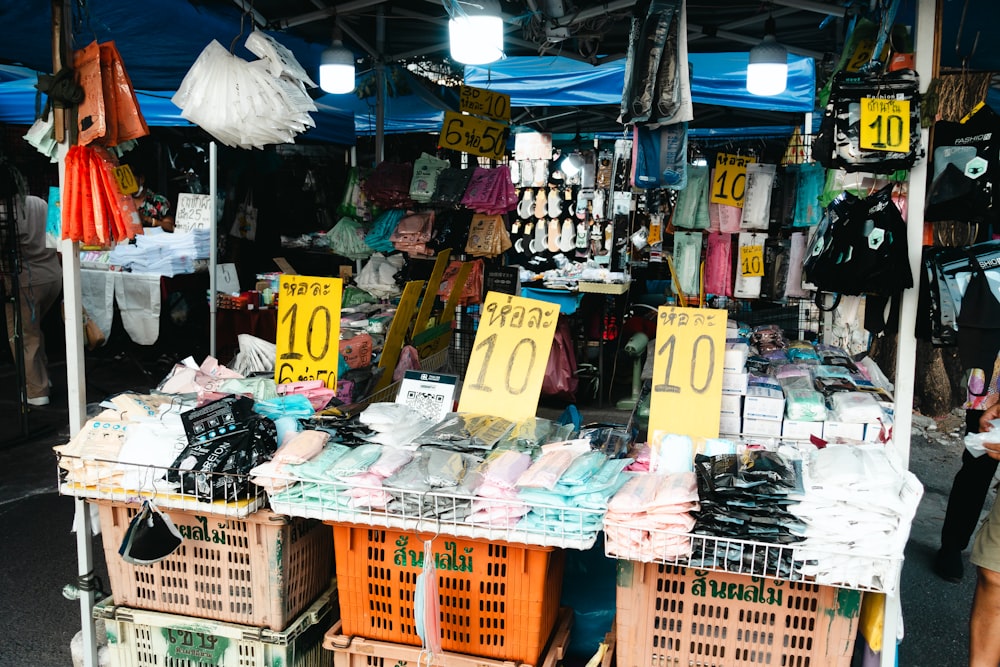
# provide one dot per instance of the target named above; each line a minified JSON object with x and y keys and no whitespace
{"x":395,"y":475}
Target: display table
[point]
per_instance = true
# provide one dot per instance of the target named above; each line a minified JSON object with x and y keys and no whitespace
{"x":569,"y":301}
{"x":138,"y":298}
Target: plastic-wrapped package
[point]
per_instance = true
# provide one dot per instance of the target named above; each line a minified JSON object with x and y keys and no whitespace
{"x":804,"y":404}
{"x":855,"y":407}
{"x":802,"y":353}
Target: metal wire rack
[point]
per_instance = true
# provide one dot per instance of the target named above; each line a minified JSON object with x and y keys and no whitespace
{"x":224,"y":494}
{"x":759,"y":559}
{"x":434,"y":512}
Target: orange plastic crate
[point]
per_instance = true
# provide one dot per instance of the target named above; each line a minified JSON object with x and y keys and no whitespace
{"x":359,"y":652}
{"x":260,"y":570}
{"x":669,"y":615}
{"x":498,"y":600}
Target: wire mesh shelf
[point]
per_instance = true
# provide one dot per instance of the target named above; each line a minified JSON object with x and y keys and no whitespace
{"x":437,"y":512}
{"x":226,"y":494}
{"x":387,"y":394}
{"x":790,"y":562}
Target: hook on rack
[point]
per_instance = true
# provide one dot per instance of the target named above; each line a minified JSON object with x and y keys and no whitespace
{"x":958,"y":39}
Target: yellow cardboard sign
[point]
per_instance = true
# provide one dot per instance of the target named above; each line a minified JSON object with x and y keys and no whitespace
{"x":473,"y":135}
{"x":687,"y":371}
{"x":729,"y":179}
{"x":752,"y":261}
{"x":885,"y":124}
{"x":484,"y":102}
{"x":509,"y":356}
{"x":125,"y":180}
{"x":308,"y":336}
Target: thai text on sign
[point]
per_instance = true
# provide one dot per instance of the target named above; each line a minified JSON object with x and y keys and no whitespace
{"x":308,"y":336}
{"x":509,"y":356}
{"x":687,"y":371}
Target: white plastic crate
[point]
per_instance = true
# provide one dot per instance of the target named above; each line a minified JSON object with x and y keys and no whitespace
{"x":139,"y":638}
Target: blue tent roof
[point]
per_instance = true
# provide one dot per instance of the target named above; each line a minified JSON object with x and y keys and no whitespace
{"x":717,"y":78}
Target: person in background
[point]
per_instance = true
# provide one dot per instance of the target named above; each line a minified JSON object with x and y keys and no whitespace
{"x":977,"y":349}
{"x":40,"y":284}
{"x":153,"y":209}
{"x":984,"y":621}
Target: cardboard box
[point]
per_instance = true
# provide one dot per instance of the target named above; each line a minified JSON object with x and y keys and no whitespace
{"x":793,"y":429}
{"x":875,"y":432}
{"x":732,"y":404}
{"x":764,"y":401}
{"x":734,"y":383}
{"x":729,"y":424}
{"x":735,"y":358}
{"x":838,"y":429}
{"x":766,"y":427}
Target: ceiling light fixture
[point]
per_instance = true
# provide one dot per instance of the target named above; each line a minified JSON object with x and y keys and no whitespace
{"x":336,"y":67}
{"x":767,"y":71}
{"x":475,"y":31}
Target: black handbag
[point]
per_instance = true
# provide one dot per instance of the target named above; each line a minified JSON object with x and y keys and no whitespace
{"x":860,"y":248}
{"x":838,"y":143}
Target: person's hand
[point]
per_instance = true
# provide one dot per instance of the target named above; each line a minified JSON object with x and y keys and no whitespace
{"x":989,"y":415}
{"x":167,"y":223}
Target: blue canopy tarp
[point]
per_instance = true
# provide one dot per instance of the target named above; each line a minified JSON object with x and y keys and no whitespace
{"x":717,"y":78}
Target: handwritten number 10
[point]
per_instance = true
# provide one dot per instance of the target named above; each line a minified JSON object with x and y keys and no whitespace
{"x":291,"y":314}
{"x":893,"y":131}
{"x":669,"y":346}
{"x":490,"y":344}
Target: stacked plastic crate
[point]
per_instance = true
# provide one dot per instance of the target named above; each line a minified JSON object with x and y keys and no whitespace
{"x":245,"y":587}
{"x":499,"y":601}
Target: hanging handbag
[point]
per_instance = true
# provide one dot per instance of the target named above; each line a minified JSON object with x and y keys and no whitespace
{"x":860,"y":248}
{"x":897,"y":132}
{"x":245,"y":222}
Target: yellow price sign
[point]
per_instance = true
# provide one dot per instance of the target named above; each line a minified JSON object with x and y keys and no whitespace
{"x":509,"y":356}
{"x":729,"y":179}
{"x":885,"y":124}
{"x":752,"y":261}
{"x":125,"y":180}
{"x":484,"y":102}
{"x":687,"y":371}
{"x":473,"y":135}
{"x":308,"y":336}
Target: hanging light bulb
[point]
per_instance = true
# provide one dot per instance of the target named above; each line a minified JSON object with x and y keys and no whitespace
{"x":767,"y":71}
{"x":475,"y":32}
{"x":336,"y":67}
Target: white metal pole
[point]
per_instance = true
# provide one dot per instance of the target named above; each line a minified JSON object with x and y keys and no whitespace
{"x":213,"y":258}
{"x":906,"y":351}
{"x":76,"y":384}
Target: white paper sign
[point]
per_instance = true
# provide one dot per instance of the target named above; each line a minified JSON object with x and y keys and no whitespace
{"x":430,"y":394}
{"x":193,"y":212}
{"x":226,"y":279}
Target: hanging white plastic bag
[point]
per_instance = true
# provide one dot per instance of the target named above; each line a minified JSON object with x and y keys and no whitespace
{"x":427,"y":606}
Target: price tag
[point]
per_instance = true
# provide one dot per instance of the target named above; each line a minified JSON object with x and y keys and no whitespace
{"x":308,"y":336}
{"x":484,"y":102}
{"x":729,"y":179}
{"x":473,"y":135}
{"x":885,"y":124}
{"x":752,"y":261}
{"x":193,"y":212}
{"x":655,"y":230}
{"x":508,"y":359}
{"x":687,"y":371}
{"x":193,"y":645}
{"x":126,"y":180}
